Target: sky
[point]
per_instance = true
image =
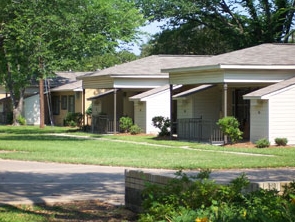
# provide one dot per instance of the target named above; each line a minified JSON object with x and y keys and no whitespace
{"x":150,"y":29}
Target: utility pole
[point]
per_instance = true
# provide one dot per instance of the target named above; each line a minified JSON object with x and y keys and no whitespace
{"x":41,"y":95}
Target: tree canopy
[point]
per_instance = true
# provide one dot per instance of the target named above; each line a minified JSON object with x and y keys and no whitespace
{"x":229,"y":23}
{"x":39,"y":37}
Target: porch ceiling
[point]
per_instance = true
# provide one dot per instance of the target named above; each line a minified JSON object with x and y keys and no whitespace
{"x":183,"y":95}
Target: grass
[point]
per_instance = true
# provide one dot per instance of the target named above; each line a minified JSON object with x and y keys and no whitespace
{"x":66,"y":145}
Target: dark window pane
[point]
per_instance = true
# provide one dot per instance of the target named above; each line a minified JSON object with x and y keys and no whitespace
{"x":71,"y":107}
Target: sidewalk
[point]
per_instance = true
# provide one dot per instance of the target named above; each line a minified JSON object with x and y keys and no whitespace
{"x":23,"y":182}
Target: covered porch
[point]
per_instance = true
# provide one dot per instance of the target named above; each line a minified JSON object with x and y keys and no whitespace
{"x":216,"y":91}
{"x":199,"y":109}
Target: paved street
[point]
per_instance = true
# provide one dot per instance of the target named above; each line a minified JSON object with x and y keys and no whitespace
{"x":24,"y":182}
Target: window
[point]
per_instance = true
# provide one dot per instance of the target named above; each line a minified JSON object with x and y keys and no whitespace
{"x":55,"y":105}
{"x":64,"y":102}
{"x":71,"y":104}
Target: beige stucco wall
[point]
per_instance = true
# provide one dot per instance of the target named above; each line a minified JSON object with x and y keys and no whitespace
{"x":58,"y":120}
{"x":128,"y":109}
{"x":105,"y":105}
{"x":206,"y":104}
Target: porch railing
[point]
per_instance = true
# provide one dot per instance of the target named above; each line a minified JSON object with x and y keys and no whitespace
{"x":200,"y":130}
{"x":102,"y":124}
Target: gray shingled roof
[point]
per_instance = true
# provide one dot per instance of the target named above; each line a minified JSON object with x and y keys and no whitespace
{"x":72,"y":86}
{"x":150,"y":65}
{"x":270,"y":89}
{"x":265,"y":54}
{"x":62,"y":78}
{"x":71,"y":75}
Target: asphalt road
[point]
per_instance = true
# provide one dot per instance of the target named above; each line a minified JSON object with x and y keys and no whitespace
{"x":23,"y":182}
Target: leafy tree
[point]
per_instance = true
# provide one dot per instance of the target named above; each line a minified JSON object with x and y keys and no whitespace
{"x":186,"y":39}
{"x":239,"y":24}
{"x":38,"y":37}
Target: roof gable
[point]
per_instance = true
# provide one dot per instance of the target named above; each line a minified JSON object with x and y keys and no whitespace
{"x":259,"y":94}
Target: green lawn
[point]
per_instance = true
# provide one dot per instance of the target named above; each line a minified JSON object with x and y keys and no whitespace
{"x":65,"y":145}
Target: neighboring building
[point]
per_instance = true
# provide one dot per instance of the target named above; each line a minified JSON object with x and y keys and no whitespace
{"x":62,"y":94}
{"x":218,"y":84}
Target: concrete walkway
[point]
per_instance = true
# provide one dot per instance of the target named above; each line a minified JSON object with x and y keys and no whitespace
{"x":23,"y":182}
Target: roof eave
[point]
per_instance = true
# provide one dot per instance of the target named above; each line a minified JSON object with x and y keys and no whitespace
{"x":191,"y":69}
{"x":229,"y":66}
{"x":141,"y":76}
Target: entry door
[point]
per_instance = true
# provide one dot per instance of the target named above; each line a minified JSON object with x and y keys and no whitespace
{"x":241,"y":110}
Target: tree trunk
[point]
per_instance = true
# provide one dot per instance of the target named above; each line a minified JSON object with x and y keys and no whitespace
{"x":17,"y":104}
{"x":17,"y":107}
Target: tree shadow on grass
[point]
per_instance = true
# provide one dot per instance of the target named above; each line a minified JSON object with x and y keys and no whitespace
{"x":93,"y":210}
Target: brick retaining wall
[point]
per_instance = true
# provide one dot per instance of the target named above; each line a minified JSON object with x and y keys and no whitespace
{"x":135,"y":182}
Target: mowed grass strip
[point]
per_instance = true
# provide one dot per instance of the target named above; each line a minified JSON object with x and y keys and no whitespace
{"x":59,"y":144}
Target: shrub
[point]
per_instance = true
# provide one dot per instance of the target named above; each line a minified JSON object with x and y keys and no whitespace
{"x":125,"y":123}
{"x":229,"y":125}
{"x":163,"y":124}
{"x":262,"y":143}
{"x":73,"y":119}
{"x":89,"y":110}
{"x":135,"y":129}
{"x":281,"y":141}
{"x":198,"y":198}
{"x":21,"y":120}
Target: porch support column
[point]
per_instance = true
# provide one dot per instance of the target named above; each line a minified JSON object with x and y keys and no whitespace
{"x":171,"y":108}
{"x":225,"y":99}
{"x":115,"y":111}
{"x":83,"y":108}
{"x":225,"y":107}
